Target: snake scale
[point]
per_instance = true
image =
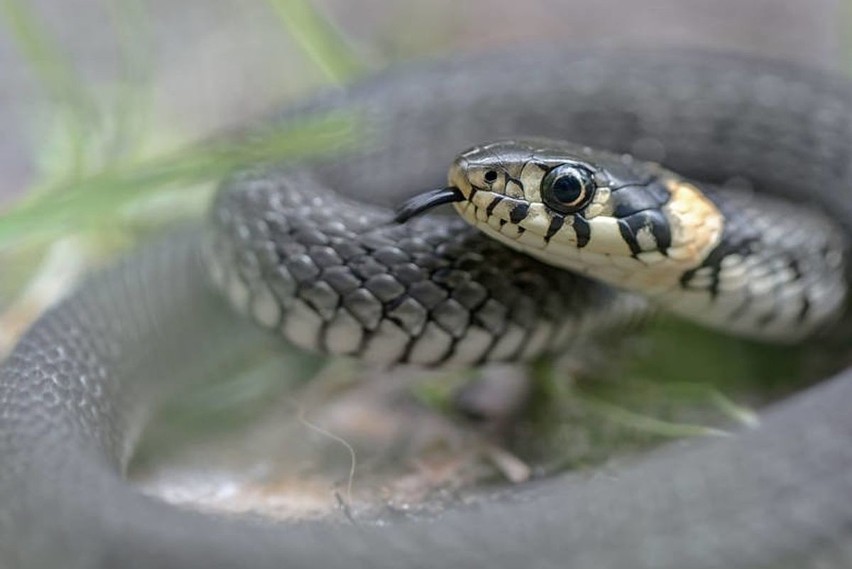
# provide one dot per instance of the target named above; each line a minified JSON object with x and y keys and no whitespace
{"x":76,"y":391}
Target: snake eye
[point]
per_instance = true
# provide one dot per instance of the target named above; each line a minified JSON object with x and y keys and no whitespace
{"x":490,"y":176}
{"x":567,"y":188}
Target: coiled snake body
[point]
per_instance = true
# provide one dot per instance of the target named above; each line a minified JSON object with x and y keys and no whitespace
{"x":341,"y":276}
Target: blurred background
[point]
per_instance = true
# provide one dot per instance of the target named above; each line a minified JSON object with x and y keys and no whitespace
{"x":204,"y":64}
{"x":108,"y":109}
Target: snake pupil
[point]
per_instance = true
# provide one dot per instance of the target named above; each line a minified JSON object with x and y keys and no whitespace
{"x":567,"y":188}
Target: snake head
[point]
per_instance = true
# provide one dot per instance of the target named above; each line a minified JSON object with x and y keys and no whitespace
{"x":600,"y":214}
{"x":532,"y":186}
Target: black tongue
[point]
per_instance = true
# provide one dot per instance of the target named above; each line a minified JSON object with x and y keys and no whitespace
{"x":426,"y":201}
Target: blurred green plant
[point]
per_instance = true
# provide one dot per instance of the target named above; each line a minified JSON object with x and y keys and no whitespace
{"x":107,"y":173}
{"x":81,"y":204}
{"x":319,"y":40}
{"x":70,"y":100}
{"x":98,"y":157}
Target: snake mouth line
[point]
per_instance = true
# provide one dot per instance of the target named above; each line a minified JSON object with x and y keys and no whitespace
{"x":426,"y":201}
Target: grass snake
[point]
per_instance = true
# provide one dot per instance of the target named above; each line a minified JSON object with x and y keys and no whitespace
{"x":295,"y":247}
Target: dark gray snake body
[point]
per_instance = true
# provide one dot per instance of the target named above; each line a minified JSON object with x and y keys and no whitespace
{"x":75,"y":392}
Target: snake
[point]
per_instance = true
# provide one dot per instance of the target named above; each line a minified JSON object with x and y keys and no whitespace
{"x":745,"y":227}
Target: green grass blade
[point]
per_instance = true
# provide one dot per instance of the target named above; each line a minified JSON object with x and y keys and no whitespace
{"x":79,"y":203}
{"x":645,"y":423}
{"x":56,"y":75}
{"x":133,"y":99}
{"x":319,"y":39}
